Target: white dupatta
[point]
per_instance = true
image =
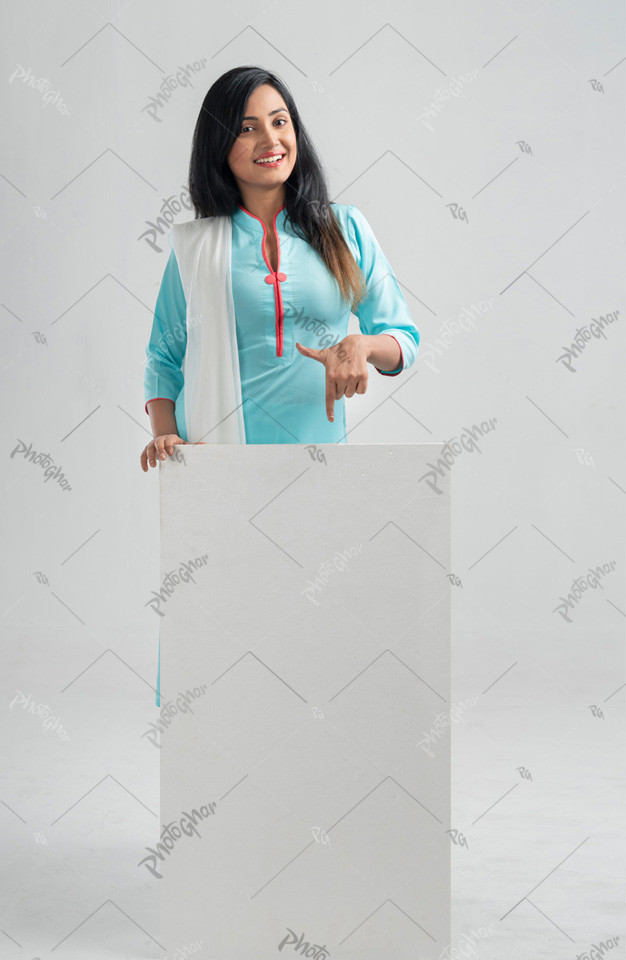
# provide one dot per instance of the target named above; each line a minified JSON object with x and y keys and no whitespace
{"x":213,"y":403}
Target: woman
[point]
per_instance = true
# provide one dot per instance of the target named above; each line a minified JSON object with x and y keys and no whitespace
{"x":270,"y":256}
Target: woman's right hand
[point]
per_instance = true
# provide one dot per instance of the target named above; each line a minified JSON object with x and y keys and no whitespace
{"x":158,"y":448}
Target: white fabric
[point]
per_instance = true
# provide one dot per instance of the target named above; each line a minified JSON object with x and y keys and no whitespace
{"x":213,"y":402}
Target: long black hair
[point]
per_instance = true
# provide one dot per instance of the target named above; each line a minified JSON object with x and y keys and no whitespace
{"x":215,"y":192}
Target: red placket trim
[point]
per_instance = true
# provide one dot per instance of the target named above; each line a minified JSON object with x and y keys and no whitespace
{"x":275,"y":277}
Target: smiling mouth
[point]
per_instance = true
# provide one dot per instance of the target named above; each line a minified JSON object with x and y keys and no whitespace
{"x":274,"y":161}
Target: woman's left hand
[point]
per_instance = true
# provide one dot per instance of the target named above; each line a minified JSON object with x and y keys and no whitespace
{"x":346,"y":368}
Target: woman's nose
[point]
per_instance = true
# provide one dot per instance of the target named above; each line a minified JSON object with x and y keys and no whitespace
{"x":270,"y":136}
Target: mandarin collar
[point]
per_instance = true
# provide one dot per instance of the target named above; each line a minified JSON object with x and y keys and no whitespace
{"x":243,"y":218}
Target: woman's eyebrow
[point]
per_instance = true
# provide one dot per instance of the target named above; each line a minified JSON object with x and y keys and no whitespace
{"x":270,"y":114}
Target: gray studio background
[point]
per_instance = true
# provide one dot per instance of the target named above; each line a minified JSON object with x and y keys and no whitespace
{"x":484,"y":143}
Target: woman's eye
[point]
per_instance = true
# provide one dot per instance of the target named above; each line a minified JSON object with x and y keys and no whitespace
{"x":278,"y":119}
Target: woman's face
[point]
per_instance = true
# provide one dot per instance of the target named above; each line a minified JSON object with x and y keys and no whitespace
{"x":265,"y":129}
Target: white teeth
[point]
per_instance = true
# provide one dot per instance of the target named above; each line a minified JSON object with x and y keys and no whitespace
{"x":278,"y":156}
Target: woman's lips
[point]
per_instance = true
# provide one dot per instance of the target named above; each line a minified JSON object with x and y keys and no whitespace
{"x":274,"y":163}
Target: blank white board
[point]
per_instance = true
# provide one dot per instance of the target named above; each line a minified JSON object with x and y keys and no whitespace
{"x":305,"y":672}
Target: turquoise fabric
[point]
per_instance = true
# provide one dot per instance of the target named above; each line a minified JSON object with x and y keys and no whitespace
{"x":283,"y":392}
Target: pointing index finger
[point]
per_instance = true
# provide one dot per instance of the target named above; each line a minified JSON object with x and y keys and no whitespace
{"x":330,"y":398}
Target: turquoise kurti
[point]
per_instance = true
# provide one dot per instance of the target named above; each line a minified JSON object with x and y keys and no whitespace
{"x":283,"y":392}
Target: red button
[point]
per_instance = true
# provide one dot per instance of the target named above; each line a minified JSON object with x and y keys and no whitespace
{"x":273,"y":277}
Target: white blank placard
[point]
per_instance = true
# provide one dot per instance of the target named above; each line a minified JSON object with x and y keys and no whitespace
{"x":305,"y":666}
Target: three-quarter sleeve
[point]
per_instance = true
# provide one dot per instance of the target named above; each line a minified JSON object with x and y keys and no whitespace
{"x":163,"y":376}
{"x":383,"y":309}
